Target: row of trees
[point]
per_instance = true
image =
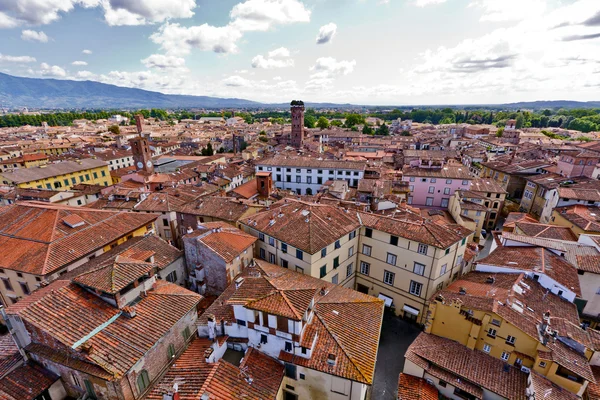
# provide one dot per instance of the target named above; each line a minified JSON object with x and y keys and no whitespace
{"x":584,"y":120}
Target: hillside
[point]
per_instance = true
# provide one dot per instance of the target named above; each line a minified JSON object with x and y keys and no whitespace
{"x":54,"y":93}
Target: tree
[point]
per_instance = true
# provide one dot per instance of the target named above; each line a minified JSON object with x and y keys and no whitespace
{"x":262,"y":133}
{"x":367,"y":130}
{"x":221,"y":150}
{"x":520,"y":121}
{"x":405,"y":133}
{"x":383,"y":130}
{"x":323,"y":123}
{"x":336,"y":122}
{"x":208,"y":150}
{"x":309,"y":121}
{"x":263,"y":139}
{"x":354,"y":119}
{"x":114,"y":129}
{"x":500,"y":131}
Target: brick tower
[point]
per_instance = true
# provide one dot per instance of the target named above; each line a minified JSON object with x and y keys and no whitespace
{"x":142,"y":157}
{"x":297,"y":136}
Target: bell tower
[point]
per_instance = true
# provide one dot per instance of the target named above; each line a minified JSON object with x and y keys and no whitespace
{"x":297,"y":135}
{"x":142,"y":157}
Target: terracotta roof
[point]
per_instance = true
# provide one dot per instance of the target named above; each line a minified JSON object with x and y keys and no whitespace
{"x":447,"y":172}
{"x":586,"y":218}
{"x":514,"y":217}
{"x":225,"y":240}
{"x":26,"y":382}
{"x":80,"y":312}
{"x":346,"y":323}
{"x":306,"y":226}
{"x":535,"y":260}
{"x":487,"y":186}
{"x":9,"y":354}
{"x":307,"y":162}
{"x":473,"y":366}
{"x":223,"y":208}
{"x":545,"y":231}
{"x":414,"y":388}
{"x":594,"y":388}
{"x":414,"y":227}
{"x":114,"y":277}
{"x":247,"y":190}
{"x":222,"y":380}
{"x":38,"y":239}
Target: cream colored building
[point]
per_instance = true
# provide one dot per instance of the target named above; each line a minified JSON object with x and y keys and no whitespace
{"x":467,"y":212}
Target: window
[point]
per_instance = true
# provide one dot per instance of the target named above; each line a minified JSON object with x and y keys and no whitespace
{"x":366,"y":250}
{"x":337,"y":244}
{"x":412,"y":179}
{"x":66,"y":181}
{"x":288,"y":347}
{"x":388,"y":277}
{"x":262,"y":254}
{"x":290,"y":370}
{"x":495,"y":322}
{"x":447,"y":190}
{"x":89,"y":388}
{"x":308,"y":180}
{"x":241,"y":322}
{"x":272,"y":258}
{"x":352,"y":235}
{"x":491,"y":332}
{"x":75,"y":380}
{"x":171,"y":350}
{"x":364,"y":268}
{"x":336,"y":262}
{"x":433,"y":180}
{"x":505,"y":356}
{"x":299,"y":269}
{"x":7,"y":284}
{"x":299,"y":254}
{"x":284,"y":263}
{"x":422,"y":249}
{"x":431,"y":189}
{"x":448,"y":181}
{"x":415,"y":288}
{"x":542,"y":364}
{"x":429,"y":201}
{"x":350,"y":251}
{"x":394,"y":240}
{"x":261,"y":237}
{"x":263,"y":339}
{"x":510,"y":340}
{"x":419,"y":268}
{"x":323,"y":271}
{"x":443,"y":270}
{"x":95,"y":175}
{"x":103,"y":173}
{"x":349,"y":269}
{"x":465,"y":182}
{"x":442,"y":383}
{"x":283,"y":247}
{"x":186,"y":333}
{"x":487,"y":348}
{"x":271,"y":241}
{"x":298,"y":179}
{"x":302,"y":376}
{"x":172,"y":277}
{"x":334,"y":279}
{"x":368,"y":232}
{"x":143,"y":381}
{"x":391,"y":259}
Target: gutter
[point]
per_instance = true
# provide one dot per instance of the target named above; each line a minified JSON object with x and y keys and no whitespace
{"x":96,"y":330}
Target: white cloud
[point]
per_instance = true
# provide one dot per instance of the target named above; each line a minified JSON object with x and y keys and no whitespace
{"x":329,"y":67}
{"x":326,"y":33}
{"x":36,"y":12}
{"x":52,"y":71}
{"x":179,"y":40}
{"x":7,"y":22}
{"x":87,"y":75}
{"x":34,"y":36}
{"x":86,"y":51}
{"x":278,"y":58}
{"x":262,"y":15}
{"x":16,"y":59}
{"x":79,"y":63}
{"x":140,"y":12}
{"x":237,"y":81}
{"x":162,"y":61}
{"x":251,"y":15}
{"x":425,"y":3}
{"x":508,"y":10}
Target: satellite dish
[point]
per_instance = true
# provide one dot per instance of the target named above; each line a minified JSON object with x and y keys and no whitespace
{"x":140,"y":165}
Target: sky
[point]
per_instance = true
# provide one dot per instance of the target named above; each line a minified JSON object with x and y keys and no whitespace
{"x":372,"y":52}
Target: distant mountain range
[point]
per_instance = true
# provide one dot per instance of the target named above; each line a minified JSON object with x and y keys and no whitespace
{"x":17,"y":92}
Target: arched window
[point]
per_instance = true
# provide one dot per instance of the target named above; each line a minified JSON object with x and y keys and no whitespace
{"x":143,"y":381}
{"x":308,"y":191}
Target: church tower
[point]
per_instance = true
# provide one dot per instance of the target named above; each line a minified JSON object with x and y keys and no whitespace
{"x":297,"y":135}
{"x":142,"y":157}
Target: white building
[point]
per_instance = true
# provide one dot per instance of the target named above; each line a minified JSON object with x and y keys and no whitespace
{"x":307,"y":175}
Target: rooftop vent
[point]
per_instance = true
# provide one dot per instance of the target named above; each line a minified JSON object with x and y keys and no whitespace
{"x":462,"y":291}
{"x":490,"y":279}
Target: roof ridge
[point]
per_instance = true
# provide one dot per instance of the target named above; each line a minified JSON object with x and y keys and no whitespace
{"x":285,"y":298}
{"x":341,"y":346}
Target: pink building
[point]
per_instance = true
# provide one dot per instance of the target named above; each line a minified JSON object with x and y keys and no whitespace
{"x":578,"y":163}
{"x":433,"y":187}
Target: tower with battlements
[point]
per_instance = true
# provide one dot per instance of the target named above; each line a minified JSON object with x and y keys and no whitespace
{"x":297,"y":135}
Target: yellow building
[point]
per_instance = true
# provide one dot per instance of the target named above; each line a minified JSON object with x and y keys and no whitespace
{"x":579,"y":218}
{"x":467,"y":211}
{"x":513,"y":318}
{"x":60,"y":176}
{"x":41,"y":242}
{"x":25,"y":161}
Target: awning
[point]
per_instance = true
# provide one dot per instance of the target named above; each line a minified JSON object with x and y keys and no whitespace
{"x":386,"y":299}
{"x":410,"y":310}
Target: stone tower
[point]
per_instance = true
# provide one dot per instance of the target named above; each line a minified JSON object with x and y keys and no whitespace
{"x":141,"y":154}
{"x":297,"y":135}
